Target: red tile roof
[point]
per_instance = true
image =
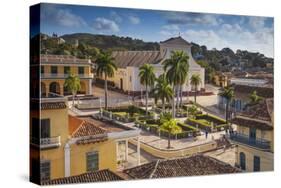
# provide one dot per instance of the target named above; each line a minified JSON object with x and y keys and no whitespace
{"x":176,"y":40}
{"x":88,"y":129}
{"x":98,"y":176}
{"x":250,"y":122}
{"x":187,"y":166}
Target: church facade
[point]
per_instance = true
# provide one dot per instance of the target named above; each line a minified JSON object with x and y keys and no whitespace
{"x":128,"y":62}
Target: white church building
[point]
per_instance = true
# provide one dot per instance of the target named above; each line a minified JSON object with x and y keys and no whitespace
{"x":128,"y":62}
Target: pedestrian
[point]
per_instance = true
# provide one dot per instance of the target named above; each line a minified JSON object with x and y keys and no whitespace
{"x":206,"y":134}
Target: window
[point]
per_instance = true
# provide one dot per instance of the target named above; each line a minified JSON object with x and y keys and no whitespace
{"x":242,"y":161}
{"x":256,"y":163}
{"x":81,"y":70}
{"x":45,"y":169}
{"x":45,"y":128}
{"x":66,"y":70}
{"x":42,"y":69}
{"x":54,"y":69}
{"x":92,"y":161}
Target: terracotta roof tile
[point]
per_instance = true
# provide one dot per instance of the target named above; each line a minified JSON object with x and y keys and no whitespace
{"x":88,"y":129}
{"x":176,"y":40}
{"x":135,"y":58}
{"x":98,"y":176}
{"x":187,"y":166}
{"x":249,"y":122}
{"x":260,"y":111}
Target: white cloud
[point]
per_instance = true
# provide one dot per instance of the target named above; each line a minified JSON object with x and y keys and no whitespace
{"x":105,"y":25}
{"x":61,"y":17}
{"x":257,"y":22}
{"x":234,"y":37}
{"x":116,"y":17}
{"x":134,"y":19}
{"x":171,"y":27}
{"x":192,"y":18}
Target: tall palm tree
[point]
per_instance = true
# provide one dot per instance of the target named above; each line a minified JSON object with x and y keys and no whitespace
{"x":195,"y":80}
{"x":162,"y":91}
{"x":106,"y":67}
{"x":72,"y":84}
{"x":176,"y":68}
{"x":170,"y":125}
{"x":228,"y":94}
{"x":254,"y":98}
{"x":147,"y":78}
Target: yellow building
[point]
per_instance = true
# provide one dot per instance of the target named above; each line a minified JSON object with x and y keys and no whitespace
{"x":254,"y":137}
{"x":56,"y":68}
{"x":63,"y":145}
{"x":220,"y":79}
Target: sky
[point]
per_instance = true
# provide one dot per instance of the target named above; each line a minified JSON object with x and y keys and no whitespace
{"x":218,"y":31}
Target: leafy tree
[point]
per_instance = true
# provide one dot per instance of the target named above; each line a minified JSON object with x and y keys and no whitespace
{"x":72,"y":84}
{"x":170,"y":125}
{"x":254,"y":98}
{"x":228,"y":94}
{"x":176,"y":68}
{"x":106,"y":68}
{"x":147,"y":78}
{"x":162,"y":91}
{"x":195,"y":80}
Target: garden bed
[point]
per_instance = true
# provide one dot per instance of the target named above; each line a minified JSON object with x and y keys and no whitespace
{"x":127,"y":114}
{"x":152,"y":126}
{"x":207,"y":122}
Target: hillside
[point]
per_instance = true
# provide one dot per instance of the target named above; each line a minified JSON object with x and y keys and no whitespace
{"x":110,"y":42}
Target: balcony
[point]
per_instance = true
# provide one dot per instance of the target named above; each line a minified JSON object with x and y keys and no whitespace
{"x":63,"y":76}
{"x":245,"y":139}
{"x":46,"y":143}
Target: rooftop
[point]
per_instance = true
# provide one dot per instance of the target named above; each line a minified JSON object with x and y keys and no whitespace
{"x":186,"y":166}
{"x":243,"y":91}
{"x":98,"y":176}
{"x":262,"y":110}
{"x":176,"y":41}
{"x":252,"y":123}
{"x":135,"y":58}
{"x":62,"y":59}
{"x":106,"y":125}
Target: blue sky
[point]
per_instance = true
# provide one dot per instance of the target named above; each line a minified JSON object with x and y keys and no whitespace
{"x":213,"y":30}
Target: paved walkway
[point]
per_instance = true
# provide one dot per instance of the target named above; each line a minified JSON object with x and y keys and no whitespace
{"x":162,"y":143}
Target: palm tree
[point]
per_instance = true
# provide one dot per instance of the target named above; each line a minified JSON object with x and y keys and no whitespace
{"x":162,"y":91}
{"x":195,"y":80}
{"x":106,"y":67}
{"x":72,"y":84}
{"x":170,"y":125}
{"x":147,"y":78}
{"x":228,"y":94}
{"x":254,"y":98}
{"x":176,"y":68}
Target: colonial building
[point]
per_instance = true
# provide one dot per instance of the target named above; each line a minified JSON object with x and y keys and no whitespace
{"x":56,"y":68}
{"x":254,"y":137}
{"x":128,"y":62}
{"x":63,"y":145}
